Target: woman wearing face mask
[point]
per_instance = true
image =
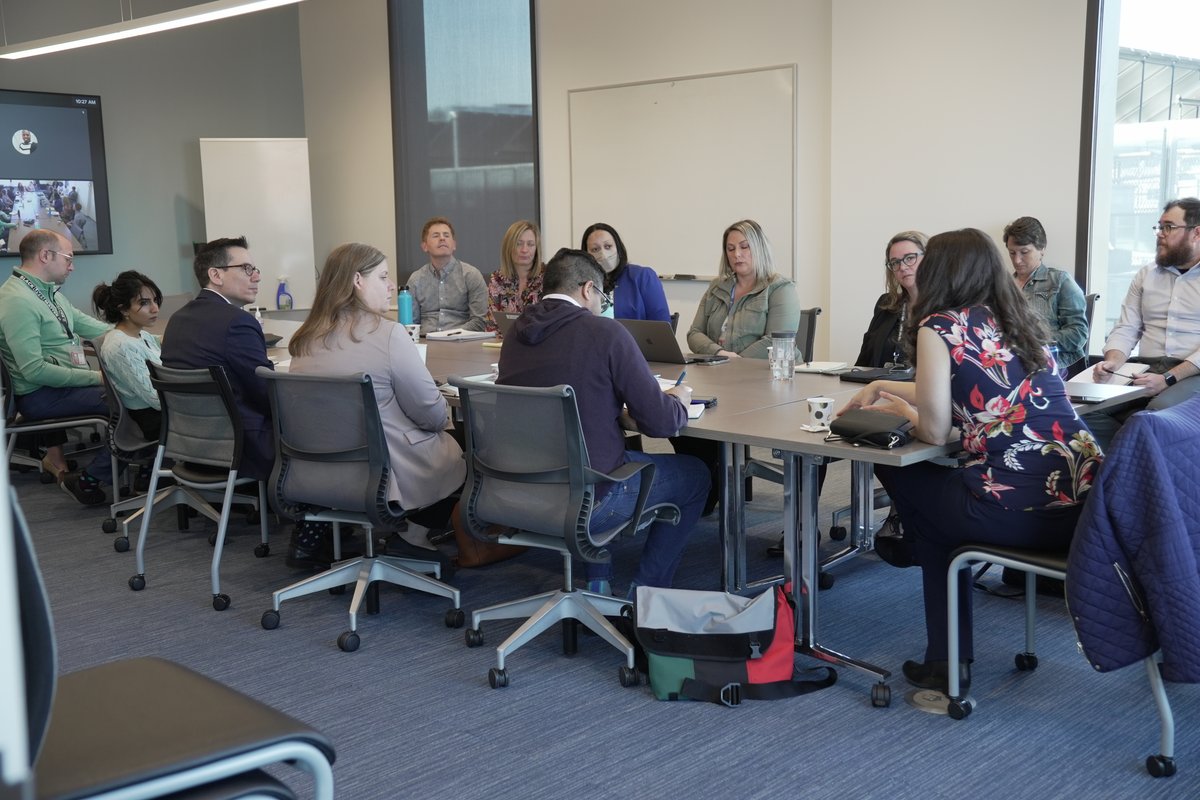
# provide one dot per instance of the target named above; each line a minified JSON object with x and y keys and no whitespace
{"x":637,"y":292}
{"x":882,"y":345}
{"x":518,"y":281}
{"x":1052,"y":294}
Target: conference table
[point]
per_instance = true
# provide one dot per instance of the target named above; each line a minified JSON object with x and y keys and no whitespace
{"x":754,"y":410}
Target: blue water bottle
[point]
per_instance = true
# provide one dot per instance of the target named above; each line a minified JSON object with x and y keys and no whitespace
{"x":404,"y":309}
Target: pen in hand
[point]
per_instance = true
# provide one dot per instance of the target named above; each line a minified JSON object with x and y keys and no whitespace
{"x":1118,"y":374}
{"x":682,"y":375}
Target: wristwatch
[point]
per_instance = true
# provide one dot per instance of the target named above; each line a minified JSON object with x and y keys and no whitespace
{"x":1170,"y":378}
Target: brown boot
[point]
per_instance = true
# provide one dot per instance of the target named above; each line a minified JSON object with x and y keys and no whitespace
{"x":474,"y":553}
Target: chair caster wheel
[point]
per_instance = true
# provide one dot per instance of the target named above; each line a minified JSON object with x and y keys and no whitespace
{"x":837,"y":533}
{"x":959,"y":708}
{"x":46,"y":477}
{"x":825,"y":581}
{"x":455,"y":618}
{"x":220,"y":602}
{"x":137,"y":582}
{"x":337,"y":590}
{"x":881,"y":695}
{"x":1026,"y":661}
{"x":348,"y":641}
{"x":1160,"y":766}
{"x":270,"y":619}
{"x":262,"y":550}
{"x":498,"y":678}
{"x":629,"y":677}
{"x":121,"y":544}
{"x":109,"y":525}
{"x":474,"y":637}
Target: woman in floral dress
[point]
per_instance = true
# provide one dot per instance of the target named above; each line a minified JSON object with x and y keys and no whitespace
{"x":981,"y":367}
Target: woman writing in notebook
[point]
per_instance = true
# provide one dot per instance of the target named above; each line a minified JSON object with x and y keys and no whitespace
{"x":518,"y":281}
{"x":636,"y":291}
{"x":882,"y":346}
{"x":747,"y":301}
{"x":981,"y":367}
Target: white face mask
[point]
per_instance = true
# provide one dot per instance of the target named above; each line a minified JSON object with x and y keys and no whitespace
{"x":608,"y":261}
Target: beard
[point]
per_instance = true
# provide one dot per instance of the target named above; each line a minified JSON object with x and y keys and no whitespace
{"x":1180,"y":255}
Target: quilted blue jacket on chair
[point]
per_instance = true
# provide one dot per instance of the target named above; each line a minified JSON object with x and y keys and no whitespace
{"x":1133,"y":585}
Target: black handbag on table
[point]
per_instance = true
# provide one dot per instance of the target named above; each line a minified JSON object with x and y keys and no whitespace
{"x":866,"y":426}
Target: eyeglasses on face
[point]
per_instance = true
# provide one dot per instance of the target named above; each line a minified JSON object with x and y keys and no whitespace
{"x":249,"y":269}
{"x":605,"y":301}
{"x":68,"y":258}
{"x":1167,"y":228}
{"x":907,"y":260}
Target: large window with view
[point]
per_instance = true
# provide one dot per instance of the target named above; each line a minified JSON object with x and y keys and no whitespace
{"x":1147,"y":139}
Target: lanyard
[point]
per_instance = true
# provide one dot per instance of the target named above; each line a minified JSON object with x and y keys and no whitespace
{"x":58,"y":312}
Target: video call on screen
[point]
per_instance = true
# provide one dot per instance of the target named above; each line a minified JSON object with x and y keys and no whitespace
{"x":57,"y":148}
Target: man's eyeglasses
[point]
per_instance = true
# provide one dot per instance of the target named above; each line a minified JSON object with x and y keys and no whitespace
{"x":605,"y":300}
{"x":1166,"y":228}
{"x":68,"y":258}
{"x":908,"y":260}
{"x":249,"y":269}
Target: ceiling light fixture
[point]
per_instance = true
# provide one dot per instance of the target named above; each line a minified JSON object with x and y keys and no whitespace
{"x":193,"y":15}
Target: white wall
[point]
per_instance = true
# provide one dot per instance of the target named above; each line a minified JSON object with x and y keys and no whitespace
{"x":929,"y":114}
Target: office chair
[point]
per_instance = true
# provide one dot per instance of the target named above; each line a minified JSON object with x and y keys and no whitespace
{"x":126,"y":444}
{"x":336,"y":470}
{"x":1109,"y":570}
{"x":542,"y":487}
{"x":15,"y":425}
{"x":674,"y":321}
{"x":1089,"y":312}
{"x":133,"y":728}
{"x":202,"y":435}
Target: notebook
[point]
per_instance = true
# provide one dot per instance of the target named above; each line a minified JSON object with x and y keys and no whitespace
{"x":879,"y":374}
{"x":657,"y":342}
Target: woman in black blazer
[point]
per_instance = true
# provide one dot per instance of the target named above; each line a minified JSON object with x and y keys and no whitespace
{"x":881,"y":343}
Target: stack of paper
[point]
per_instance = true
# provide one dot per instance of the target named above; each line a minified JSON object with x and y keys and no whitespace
{"x":459,"y":335}
{"x":820,"y":366}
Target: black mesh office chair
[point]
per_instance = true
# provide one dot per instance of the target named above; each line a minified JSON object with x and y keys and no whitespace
{"x":79,"y":735}
{"x":16,"y":425}
{"x":543,"y":488}
{"x":126,"y":444}
{"x":333,"y":467}
{"x":202,"y":435}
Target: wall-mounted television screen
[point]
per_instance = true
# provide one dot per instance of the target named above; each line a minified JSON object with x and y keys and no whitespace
{"x":52,"y":172}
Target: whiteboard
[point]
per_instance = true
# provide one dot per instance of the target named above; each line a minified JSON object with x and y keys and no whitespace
{"x":671,"y":163}
{"x":260,"y":188}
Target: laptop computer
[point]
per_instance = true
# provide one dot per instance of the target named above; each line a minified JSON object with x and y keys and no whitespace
{"x":657,"y":342}
{"x":877,"y":374}
{"x":504,"y":322}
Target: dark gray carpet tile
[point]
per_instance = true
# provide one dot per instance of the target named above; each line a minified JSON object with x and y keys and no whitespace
{"x":412,"y":715}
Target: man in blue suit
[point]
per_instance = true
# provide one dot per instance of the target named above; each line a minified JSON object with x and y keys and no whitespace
{"x":213,"y":329}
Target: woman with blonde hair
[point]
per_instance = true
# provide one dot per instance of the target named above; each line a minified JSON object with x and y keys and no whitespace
{"x":882,"y":343}
{"x":747,"y":301}
{"x":518,"y":280}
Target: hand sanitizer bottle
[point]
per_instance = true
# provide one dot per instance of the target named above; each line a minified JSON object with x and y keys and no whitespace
{"x":283,"y":299}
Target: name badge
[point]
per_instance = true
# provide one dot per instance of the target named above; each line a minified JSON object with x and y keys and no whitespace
{"x":77,"y":356}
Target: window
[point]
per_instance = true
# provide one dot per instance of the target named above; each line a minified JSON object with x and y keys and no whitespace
{"x":1147,"y":138}
{"x":464,"y":121}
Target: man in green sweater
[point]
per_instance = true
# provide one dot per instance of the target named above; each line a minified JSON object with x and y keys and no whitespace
{"x":41,"y":343}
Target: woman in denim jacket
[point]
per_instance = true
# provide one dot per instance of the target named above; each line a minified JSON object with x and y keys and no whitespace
{"x":747,"y":301}
{"x":1052,"y":294}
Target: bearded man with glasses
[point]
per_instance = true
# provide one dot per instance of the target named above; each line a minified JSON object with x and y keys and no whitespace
{"x":1161,"y":317}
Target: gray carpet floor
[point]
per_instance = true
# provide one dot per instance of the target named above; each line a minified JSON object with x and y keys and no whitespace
{"x":412,"y":715}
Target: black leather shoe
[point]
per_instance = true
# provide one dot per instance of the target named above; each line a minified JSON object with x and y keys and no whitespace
{"x":320,"y":558}
{"x":436,"y":536}
{"x":396,"y":546}
{"x":892,"y":546}
{"x":933,"y":675}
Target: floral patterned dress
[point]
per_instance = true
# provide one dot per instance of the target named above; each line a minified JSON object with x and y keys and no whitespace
{"x":505,"y":297}
{"x":1029,"y":448}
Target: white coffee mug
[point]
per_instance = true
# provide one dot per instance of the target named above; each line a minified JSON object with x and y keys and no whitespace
{"x":820,"y":412}
{"x":414,"y":330}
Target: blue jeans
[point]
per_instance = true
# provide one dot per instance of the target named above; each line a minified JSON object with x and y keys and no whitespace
{"x":680,"y":480}
{"x":52,"y":402}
